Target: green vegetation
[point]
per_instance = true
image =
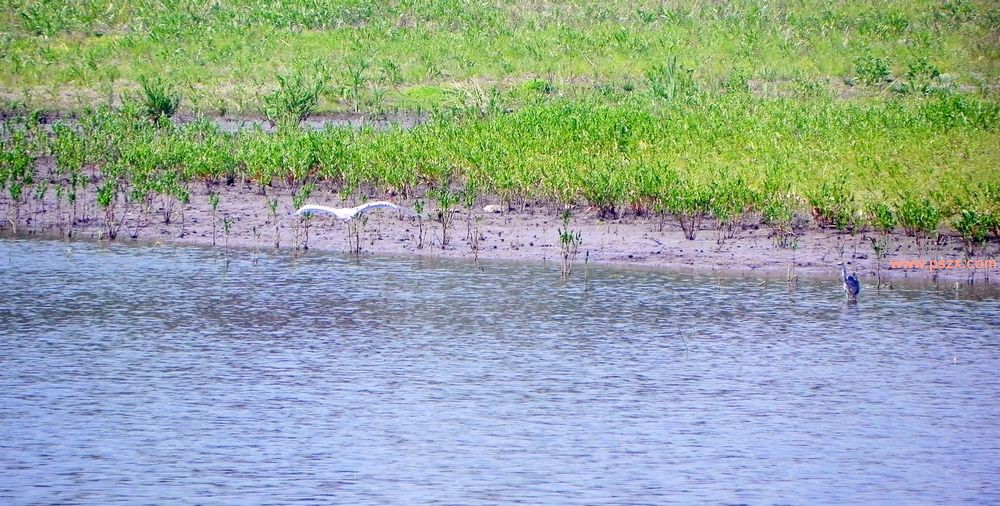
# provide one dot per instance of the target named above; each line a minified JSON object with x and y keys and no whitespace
{"x":410,"y":54}
{"x":864,"y":115}
{"x":294,"y":100}
{"x":569,"y":242}
{"x":158,"y":100}
{"x":728,"y":156}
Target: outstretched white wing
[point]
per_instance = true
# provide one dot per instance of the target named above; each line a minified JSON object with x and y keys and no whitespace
{"x":348,"y":213}
{"x":380,"y":205}
{"x":312,"y":209}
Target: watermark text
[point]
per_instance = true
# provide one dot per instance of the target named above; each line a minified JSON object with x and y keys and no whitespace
{"x":941,"y":264}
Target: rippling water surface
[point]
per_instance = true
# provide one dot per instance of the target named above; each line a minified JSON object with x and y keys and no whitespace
{"x":154,"y":375}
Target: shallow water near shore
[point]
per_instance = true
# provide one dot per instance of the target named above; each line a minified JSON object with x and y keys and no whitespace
{"x":164,"y":374}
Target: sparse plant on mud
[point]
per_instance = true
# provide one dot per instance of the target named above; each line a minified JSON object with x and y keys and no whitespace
{"x":227,"y":227}
{"x":354,"y":229}
{"x":778,"y":213}
{"x":213,"y":201}
{"x":728,"y":202}
{"x":569,"y":243}
{"x":446,"y":201}
{"x":883,"y":220}
{"x":469,"y":196}
{"x":272,"y":208}
{"x":183,"y":196}
{"x":418,"y":208}
{"x":112,"y":198}
{"x":833,"y":205}
{"x":302,"y":225}
{"x":476,"y":235}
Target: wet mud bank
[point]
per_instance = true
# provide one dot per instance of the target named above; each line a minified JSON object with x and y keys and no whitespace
{"x":243,"y":218}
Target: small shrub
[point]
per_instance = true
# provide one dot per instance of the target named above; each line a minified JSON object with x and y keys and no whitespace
{"x":540,"y":86}
{"x":295,"y":99}
{"x":974,"y":227}
{"x":833,"y":205}
{"x":689,"y":203}
{"x":776,"y":203}
{"x":778,"y":215}
{"x":569,"y":242}
{"x":446,"y":200}
{"x":604,"y":187}
{"x":671,"y":80}
{"x":728,"y":201}
{"x":920,"y":76}
{"x":882,"y":217}
{"x":871,"y":70}
{"x":157,"y":99}
{"x":918,"y":217}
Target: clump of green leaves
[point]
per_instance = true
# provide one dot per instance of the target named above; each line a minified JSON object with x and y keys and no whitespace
{"x":777,"y":210}
{"x":603,"y":185}
{"x":446,"y":201}
{"x":833,"y":205}
{"x":882,"y":217}
{"x":356,"y":78}
{"x":871,"y":69}
{"x":16,"y":174}
{"x":920,"y":77}
{"x":919,"y":217}
{"x":671,"y":80}
{"x":157,"y":98}
{"x":974,"y":227}
{"x":728,"y":201}
{"x":569,"y":242}
{"x":540,"y":86}
{"x":295,"y":99}
{"x":689,"y":203}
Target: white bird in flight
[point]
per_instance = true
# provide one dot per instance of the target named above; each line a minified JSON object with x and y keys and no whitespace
{"x":349,"y":213}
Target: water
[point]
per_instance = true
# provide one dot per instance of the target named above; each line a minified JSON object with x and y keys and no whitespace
{"x":151,"y":375}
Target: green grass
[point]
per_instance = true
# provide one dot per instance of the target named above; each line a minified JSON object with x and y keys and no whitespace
{"x":225,"y":55}
{"x":729,"y":156}
{"x":859,"y":114}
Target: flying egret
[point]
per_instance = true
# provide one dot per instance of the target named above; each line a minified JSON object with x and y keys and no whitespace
{"x":851,"y":285}
{"x":349,"y":213}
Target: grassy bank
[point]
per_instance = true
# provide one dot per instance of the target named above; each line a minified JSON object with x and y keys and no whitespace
{"x":915,"y":163}
{"x":375,"y":56}
{"x":851,"y":115}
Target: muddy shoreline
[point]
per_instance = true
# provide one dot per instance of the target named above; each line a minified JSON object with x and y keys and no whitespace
{"x":530,"y":233}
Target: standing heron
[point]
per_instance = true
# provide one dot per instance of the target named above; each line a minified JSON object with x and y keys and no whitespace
{"x":851,"y":285}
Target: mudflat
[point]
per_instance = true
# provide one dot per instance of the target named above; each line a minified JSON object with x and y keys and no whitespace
{"x":242,"y":219}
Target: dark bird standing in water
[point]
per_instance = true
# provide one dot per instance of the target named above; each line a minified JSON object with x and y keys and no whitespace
{"x":851,"y":284}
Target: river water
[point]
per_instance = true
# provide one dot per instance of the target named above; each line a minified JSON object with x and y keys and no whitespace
{"x":149,"y":374}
